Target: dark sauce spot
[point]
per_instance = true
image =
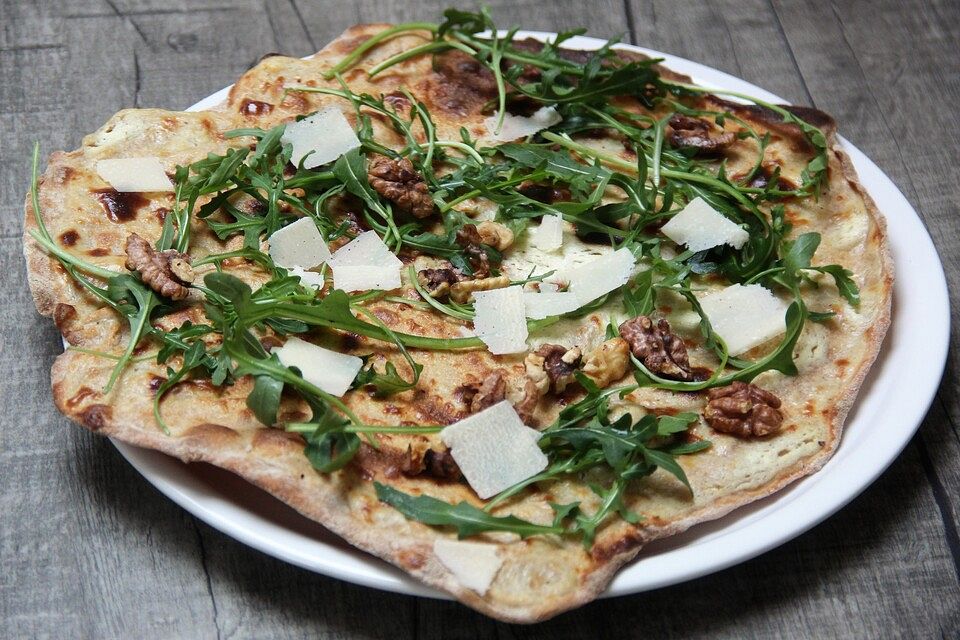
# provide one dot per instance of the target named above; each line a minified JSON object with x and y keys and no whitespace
{"x":120,"y":207}
{"x":255,"y":107}
{"x":69,"y":238}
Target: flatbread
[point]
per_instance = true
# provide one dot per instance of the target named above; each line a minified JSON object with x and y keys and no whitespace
{"x":539,"y":576}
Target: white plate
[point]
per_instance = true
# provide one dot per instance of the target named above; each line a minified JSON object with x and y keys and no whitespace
{"x":880,"y":425}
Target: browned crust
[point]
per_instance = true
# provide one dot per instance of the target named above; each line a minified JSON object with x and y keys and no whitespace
{"x":222,"y":446}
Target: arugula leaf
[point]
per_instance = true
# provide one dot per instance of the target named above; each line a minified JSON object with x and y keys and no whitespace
{"x":467,"y":519}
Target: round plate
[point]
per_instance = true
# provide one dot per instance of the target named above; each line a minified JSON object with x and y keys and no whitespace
{"x":883,"y":420}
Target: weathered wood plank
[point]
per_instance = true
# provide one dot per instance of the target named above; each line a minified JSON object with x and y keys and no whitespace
{"x":88,"y":548}
{"x":894,"y":107}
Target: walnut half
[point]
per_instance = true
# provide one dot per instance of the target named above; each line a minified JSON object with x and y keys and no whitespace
{"x":166,"y":272}
{"x":743,"y":410}
{"x":660,"y":351}
{"x":397,"y":181}
{"x":607,"y":363}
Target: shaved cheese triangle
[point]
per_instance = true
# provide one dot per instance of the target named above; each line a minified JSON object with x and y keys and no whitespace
{"x":499,"y":319}
{"x":299,"y":245}
{"x":135,"y":175}
{"x":744,"y":316}
{"x":331,"y":371}
{"x":307,"y":278}
{"x":365,"y":263}
{"x":700,"y":227}
{"x":549,"y":303}
{"x":320,"y":138}
{"x":515,"y":127}
{"x":494,"y":449}
{"x":598,"y":277}
{"x":549,"y":235}
{"x":473,"y":564}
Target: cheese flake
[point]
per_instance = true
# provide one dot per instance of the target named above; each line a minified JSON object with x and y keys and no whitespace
{"x":135,"y":175}
{"x":744,"y":315}
{"x":590,"y":280}
{"x":515,"y":127}
{"x":307,"y":278}
{"x":299,"y":245}
{"x":320,"y":138}
{"x":365,"y":263}
{"x":500,"y":320}
{"x":331,"y":371}
{"x":494,"y":449}
{"x":549,"y":303}
{"x":473,"y":564}
{"x":549,"y":235}
{"x":700,"y":227}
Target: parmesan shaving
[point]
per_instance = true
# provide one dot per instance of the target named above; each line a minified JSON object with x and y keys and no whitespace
{"x":549,"y":303}
{"x":700,"y":227}
{"x":499,"y":319}
{"x":515,"y":127}
{"x":320,"y":138}
{"x":365,"y":263}
{"x":599,"y":277}
{"x":473,"y":564}
{"x":549,"y":235}
{"x":494,"y":449}
{"x":299,"y":245}
{"x":745,"y":316}
{"x":135,"y":175}
{"x":307,"y":278}
{"x":331,"y":371}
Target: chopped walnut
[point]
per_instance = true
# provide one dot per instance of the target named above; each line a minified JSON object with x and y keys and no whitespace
{"x":499,"y":236}
{"x":468,"y":237}
{"x":607,"y":363}
{"x":534,"y":365}
{"x":435,"y":463}
{"x":492,"y":390}
{"x":659,"y":350}
{"x":398,"y":181}
{"x":437,"y":281}
{"x":698,"y":134}
{"x":166,"y":272}
{"x":461,"y":291}
{"x":528,"y":404}
{"x":559,"y":363}
{"x":744,"y":410}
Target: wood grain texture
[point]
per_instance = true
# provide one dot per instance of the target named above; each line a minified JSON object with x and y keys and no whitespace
{"x":89,"y":549}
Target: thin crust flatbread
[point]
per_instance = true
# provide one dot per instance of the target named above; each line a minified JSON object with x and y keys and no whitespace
{"x":539,"y":576}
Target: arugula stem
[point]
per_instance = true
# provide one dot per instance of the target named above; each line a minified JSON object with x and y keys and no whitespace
{"x":351,"y":59}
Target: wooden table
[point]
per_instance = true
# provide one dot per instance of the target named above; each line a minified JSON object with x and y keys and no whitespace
{"x":90,"y":549}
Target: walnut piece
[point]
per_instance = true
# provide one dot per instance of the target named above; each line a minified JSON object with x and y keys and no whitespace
{"x":743,"y":410}
{"x":528,"y":404}
{"x":694,"y":133}
{"x":437,"y":281}
{"x":559,"y":364}
{"x":499,"y":236}
{"x":397,"y":181}
{"x":461,"y":291}
{"x":492,"y":390}
{"x":434,"y":463}
{"x":468,"y":237}
{"x":166,"y":272}
{"x":607,"y":363}
{"x":659,"y":350}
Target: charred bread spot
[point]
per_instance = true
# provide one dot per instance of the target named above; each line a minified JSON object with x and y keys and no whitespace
{"x":96,"y":416}
{"x":82,"y":394}
{"x":120,"y":207}
{"x":254,"y":108}
{"x":626,"y":541}
{"x":69,"y":237}
{"x":98,"y":252}
{"x":63,"y":314}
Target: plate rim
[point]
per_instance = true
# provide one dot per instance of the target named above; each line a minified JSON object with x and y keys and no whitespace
{"x":790,"y":504}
